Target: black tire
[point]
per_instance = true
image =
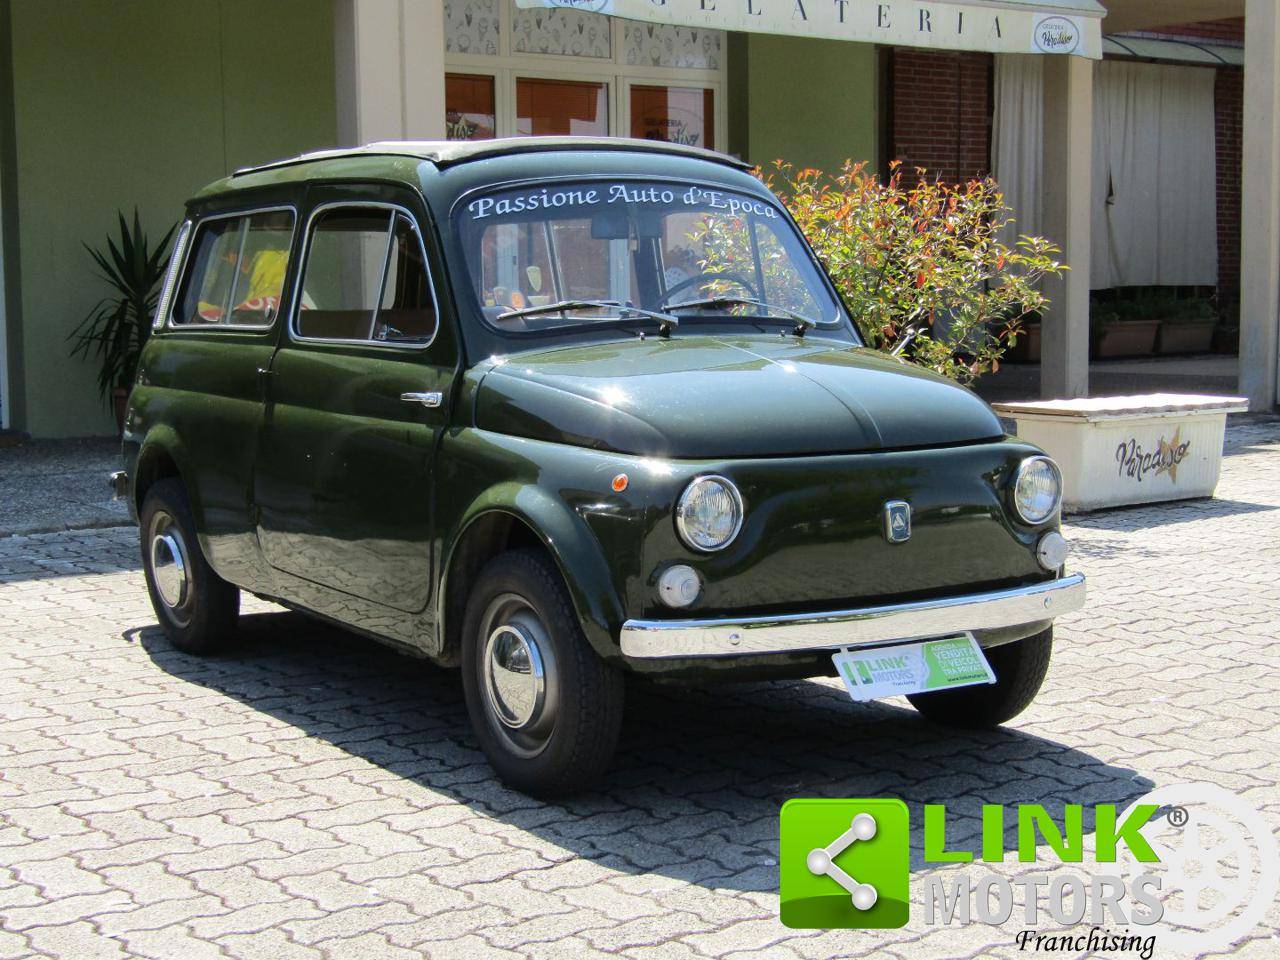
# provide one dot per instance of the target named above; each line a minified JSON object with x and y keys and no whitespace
{"x":559,"y":734}
{"x":196,"y":608}
{"x":1020,"y":668}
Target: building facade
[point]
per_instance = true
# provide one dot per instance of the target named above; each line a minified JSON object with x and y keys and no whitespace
{"x":112,"y":106}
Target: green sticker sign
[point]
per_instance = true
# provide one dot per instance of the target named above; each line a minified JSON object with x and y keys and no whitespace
{"x":913,"y":667}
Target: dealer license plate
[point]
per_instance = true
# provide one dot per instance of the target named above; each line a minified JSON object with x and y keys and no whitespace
{"x":921,"y":667}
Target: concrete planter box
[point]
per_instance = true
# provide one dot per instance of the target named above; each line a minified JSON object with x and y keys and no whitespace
{"x":1123,"y":450}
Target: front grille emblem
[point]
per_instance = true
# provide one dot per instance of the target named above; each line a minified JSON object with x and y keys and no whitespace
{"x":897,"y":521}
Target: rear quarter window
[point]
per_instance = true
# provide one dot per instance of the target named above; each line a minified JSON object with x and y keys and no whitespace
{"x":235,"y":272}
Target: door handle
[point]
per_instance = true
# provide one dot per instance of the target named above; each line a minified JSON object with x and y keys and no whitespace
{"x":433,"y":398}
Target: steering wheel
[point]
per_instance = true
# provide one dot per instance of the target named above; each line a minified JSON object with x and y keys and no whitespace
{"x":707,"y":278}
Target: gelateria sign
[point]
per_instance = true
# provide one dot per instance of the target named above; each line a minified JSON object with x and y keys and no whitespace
{"x":1010,"y":26}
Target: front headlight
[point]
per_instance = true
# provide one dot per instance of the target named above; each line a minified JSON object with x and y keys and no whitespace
{"x":709,"y":514}
{"x":1037,"y":490}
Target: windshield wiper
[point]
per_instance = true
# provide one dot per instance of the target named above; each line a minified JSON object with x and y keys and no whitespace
{"x":665,"y":320}
{"x":802,"y":322}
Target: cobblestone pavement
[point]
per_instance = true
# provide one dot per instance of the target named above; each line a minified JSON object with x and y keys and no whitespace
{"x":317,"y":796}
{"x":50,"y":485}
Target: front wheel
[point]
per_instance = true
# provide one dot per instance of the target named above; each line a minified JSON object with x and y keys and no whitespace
{"x":546,"y":709}
{"x":197,"y":609}
{"x":1020,"y":668}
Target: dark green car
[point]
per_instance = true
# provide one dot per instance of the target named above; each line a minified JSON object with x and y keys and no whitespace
{"x":555,"y":410}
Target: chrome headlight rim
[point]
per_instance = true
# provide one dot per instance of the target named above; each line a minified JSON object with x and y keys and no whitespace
{"x":681,"y":524}
{"x":1027,"y":464}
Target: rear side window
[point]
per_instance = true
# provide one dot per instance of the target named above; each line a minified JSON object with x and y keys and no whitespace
{"x":235,"y":271}
{"x":365,"y":278}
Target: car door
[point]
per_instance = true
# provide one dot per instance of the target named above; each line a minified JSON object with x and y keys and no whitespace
{"x":356,"y":400}
{"x":219,"y":326}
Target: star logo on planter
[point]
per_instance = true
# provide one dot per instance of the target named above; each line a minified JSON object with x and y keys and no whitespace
{"x":1171,"y":454}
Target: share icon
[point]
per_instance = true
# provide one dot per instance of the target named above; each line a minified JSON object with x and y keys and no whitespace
{"x":821,"y":861}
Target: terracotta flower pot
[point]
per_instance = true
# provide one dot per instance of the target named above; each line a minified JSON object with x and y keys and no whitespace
{"x":1186,"y":337}
{"x":1128,"y":338}
{"x":1226,"y":340}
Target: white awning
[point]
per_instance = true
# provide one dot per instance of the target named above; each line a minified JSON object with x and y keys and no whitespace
{"x":997,"y":26}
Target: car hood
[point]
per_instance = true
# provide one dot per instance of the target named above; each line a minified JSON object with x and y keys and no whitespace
{"x":711,"y":397}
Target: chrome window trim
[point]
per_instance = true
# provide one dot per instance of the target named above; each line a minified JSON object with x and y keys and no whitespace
{"x":393,"y":208}
{"x":736,"y":496}
{"x":197,"y":223}
{"x":866,"y":626}
{"x":177,"y":257}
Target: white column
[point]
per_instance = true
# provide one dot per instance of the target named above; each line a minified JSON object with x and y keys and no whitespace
{"x":389,"y":59}
{"x":1260,"y":215}
{"x":1067,"y":179}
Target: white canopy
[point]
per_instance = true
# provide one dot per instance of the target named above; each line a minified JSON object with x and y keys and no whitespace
{"x":999,"y":26}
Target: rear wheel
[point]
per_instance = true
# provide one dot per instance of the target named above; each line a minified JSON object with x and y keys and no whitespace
{"x":196,"y":608}
{"x":1020,"y":668}
{"x":546,"y":709}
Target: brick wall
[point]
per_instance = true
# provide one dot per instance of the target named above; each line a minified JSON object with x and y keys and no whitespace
{"x":1229,"y":120}
{"x":940,"y":104}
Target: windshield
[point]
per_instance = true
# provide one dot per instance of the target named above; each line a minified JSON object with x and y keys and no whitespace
{"x":578,"y":254}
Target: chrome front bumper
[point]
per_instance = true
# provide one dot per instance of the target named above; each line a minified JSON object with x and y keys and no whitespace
{"x":798,"y":632}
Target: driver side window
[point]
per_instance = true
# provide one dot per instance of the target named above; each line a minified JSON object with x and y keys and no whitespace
{"x":366,"y":279}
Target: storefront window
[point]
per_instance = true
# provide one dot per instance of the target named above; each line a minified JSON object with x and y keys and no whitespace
{"x":561,"y":108}
{"x":666,"y":45}
{"x":473,"y":27}
{"x":562,"y":32}
{"x":674,"y":114}
{"x":470,"y":111}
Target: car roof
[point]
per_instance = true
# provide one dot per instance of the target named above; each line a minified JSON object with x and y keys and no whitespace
{"x":400,"y":160}
{"x":447,"y":153}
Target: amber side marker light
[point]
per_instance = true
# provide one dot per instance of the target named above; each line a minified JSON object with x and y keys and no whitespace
{"x":620,"y":483}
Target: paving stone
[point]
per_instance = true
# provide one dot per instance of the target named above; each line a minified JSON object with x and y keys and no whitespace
{"x":314,"y":795}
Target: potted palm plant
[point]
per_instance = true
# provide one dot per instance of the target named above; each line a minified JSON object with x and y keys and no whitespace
{"x":117,"y":327}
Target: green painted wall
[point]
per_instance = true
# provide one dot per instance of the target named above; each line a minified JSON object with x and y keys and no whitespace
{"x":141,"y":102}
{"x":812,"y":102}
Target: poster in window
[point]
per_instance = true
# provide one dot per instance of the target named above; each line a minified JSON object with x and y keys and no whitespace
{"x":673,"y":114}
{"x":469,"y":107}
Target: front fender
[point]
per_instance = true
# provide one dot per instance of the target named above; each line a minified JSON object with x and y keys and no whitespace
{"x":563,"y":495}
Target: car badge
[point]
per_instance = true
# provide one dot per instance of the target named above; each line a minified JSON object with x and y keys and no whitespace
{"x":897,"y":521}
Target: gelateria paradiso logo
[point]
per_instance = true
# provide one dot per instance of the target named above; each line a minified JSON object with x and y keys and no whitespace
{"x":1186,"y":868}
{"x":1138,"y":463}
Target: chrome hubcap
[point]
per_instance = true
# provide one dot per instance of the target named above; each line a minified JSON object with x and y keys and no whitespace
{"x":518,"y":675}
{"x":170,"y":567}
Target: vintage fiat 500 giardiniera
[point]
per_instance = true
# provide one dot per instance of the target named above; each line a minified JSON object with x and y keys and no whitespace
{"x":555,"y":410}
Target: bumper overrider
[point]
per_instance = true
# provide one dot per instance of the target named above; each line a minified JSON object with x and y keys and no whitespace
{"x":866,"y":626}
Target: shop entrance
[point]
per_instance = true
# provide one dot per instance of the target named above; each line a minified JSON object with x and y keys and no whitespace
{"x":565,"y":72}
